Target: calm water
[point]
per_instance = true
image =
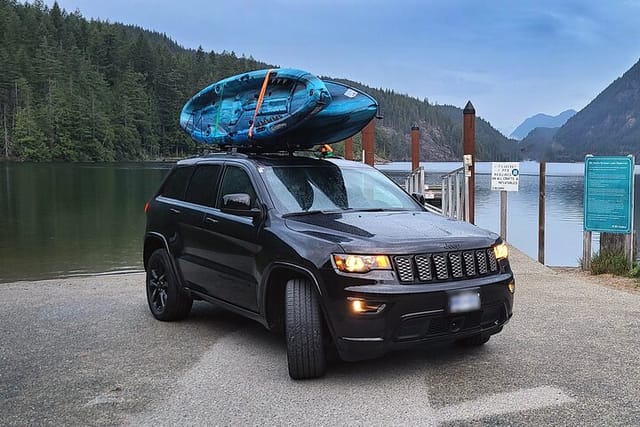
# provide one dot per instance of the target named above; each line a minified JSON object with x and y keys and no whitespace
{"x":66,"y":219}
{"x":60,"y":219}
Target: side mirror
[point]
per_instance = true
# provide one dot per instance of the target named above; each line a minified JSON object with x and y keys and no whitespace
{"x":236,"y":201}
{"x":239,"y":204}
{"x":419,"y":198}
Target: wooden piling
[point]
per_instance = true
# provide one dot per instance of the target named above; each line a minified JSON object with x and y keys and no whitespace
{"x":469,"y":147}
{"x":348,"y":148}
{"x":415,"y":147}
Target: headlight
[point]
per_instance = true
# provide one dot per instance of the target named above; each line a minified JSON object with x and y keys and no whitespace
{"x":501,"y":251}
{"x":361,"y":263}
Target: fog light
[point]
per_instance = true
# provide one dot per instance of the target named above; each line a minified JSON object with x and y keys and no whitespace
{"x":512,"y":287}
{"x":359,"y":306}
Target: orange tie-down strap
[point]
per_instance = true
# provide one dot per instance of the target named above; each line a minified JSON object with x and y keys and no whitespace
{"x":263,"y":90}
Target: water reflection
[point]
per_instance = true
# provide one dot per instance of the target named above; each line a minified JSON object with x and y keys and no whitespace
{"x":62,"y":219}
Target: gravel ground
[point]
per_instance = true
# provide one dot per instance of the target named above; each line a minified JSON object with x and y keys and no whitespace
{"x":629,"y":284}
{"x":86,"y":351}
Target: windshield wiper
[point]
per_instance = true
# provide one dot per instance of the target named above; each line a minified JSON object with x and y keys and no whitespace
{"x":377,"y":210}
{"x":314,"y":212}
{"x":339,"y":211}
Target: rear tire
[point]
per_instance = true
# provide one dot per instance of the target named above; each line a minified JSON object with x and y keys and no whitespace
{"x":167,"y":301}
{"x":304,"y":331}
{"x":474,"y":340}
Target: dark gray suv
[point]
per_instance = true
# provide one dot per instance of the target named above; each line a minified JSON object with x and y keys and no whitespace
{"x":329,"y":252}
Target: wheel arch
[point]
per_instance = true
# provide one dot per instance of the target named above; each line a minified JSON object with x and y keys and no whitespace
{"x":154,"y":241}
{"x":273,"y":291}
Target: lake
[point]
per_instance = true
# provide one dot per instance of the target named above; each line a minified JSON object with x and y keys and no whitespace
{"x":72,"y":219}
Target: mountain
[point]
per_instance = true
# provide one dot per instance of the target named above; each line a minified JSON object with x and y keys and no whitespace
{"x":78,"y":90}
{"x":541,"y":120}
{"x":609,"y":125}
{"x":538,"y":144}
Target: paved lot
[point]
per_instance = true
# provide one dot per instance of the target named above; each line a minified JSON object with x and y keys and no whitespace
{"x":87,"y":351}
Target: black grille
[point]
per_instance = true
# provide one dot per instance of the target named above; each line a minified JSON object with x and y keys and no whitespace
{"x":423,"y":262}
{"x":445,"y":266}
{"x":440,"y":261}
{"x":405,"y":269}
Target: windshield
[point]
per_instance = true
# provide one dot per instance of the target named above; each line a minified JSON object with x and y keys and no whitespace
{"x":328,"y":188}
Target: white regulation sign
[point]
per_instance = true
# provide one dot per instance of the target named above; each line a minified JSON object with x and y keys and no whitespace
{"x":505,"y":176}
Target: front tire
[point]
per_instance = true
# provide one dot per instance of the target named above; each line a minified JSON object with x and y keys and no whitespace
{"x":167,"y":301}
{"x":304,"y":331}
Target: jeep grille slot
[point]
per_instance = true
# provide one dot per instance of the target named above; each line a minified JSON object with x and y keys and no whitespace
{"x":405,"y":270}
{"x":481,"y":256}
{"x":442,"y":272}
{"x":456,"y":264}
{"x":446,"y":266}
{"x":470,"y":264}
{"x":423,"y":262}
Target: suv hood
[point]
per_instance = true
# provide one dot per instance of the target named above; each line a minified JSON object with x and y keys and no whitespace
{"x":392,"y":232}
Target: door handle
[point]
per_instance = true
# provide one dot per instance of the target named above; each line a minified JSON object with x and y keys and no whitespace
{"x":211,"y":221}
{"x":174,"y":211}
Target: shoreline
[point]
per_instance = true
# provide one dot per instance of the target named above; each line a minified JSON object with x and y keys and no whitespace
{"x":611,"y":281}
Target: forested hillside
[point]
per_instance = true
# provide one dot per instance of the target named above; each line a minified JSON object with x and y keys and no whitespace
{"x":78,"y":90}
{"x":609,"y":125}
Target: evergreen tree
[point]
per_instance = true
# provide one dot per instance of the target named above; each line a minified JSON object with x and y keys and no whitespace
{"x":74,"y":90}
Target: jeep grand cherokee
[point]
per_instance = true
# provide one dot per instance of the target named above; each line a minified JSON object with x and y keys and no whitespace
{"x":328,"y":251}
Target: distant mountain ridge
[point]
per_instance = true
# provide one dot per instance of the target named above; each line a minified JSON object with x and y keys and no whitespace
{"x":541,"y":120}
{"x":609,"y":125}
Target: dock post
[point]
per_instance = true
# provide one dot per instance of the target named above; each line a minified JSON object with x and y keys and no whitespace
{"x":469,"y":148}
{"x":503,"y":215}
{"x":348,"y":148}
{"x":415,"y":148}
{"x":586,"y":250}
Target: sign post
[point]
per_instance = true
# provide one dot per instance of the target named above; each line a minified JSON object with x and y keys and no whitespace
{"x":505,"y":176}
{"x":608,"y":199}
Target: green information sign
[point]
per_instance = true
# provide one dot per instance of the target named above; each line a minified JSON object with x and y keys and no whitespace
{"x":608,"y":193}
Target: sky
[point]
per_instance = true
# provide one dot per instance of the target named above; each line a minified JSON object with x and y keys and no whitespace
{"x":511,"y":58}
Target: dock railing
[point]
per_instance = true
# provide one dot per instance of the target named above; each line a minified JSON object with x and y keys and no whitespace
{"x":453,"y":194}
{"x":415,"y":184}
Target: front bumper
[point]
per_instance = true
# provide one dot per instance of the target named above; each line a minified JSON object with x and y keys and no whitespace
{"x":415,"y":314}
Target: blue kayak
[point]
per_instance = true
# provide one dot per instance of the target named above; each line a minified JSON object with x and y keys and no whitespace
{"x":228,"y":112}
{"x":348,"y":113}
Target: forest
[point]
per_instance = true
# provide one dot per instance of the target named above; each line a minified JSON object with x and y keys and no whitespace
{"x":78,"y":90}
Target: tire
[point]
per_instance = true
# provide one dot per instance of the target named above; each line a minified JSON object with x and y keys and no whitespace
{"x":474,"y":340}
{"x":304,"y":331}
{"x":167,"y":301}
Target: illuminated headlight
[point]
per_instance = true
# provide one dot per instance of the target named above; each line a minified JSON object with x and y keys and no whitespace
{"x":501,"y":251}
{"x":361,"y":263}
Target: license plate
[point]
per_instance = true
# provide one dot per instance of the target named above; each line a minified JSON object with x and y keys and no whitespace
{"x":464,"y":301}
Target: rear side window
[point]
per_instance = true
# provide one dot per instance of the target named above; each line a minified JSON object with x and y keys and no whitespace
{"x":204,"y":185}
{"x":176,"y":184}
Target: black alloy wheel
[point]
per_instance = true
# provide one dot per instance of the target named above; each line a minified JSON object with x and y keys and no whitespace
{"x":166,"y":300}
